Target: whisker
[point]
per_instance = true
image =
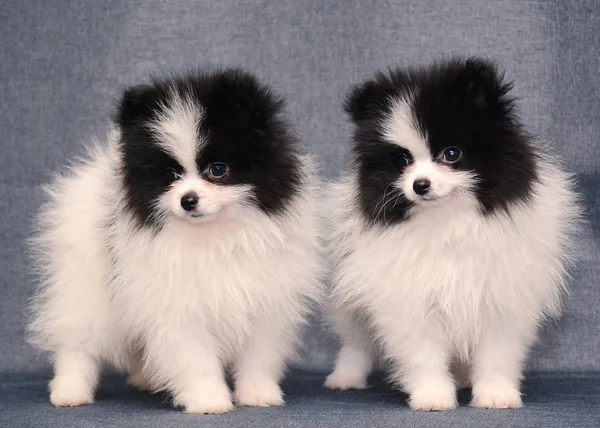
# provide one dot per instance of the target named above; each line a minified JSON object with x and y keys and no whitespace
{"x":392,"y":199}
{"x":399,"y":197}
{"x":381,"y":201}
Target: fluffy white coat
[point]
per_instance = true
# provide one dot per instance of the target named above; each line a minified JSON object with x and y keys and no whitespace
{"x":450,"y":289}
{"x":175,"y":308}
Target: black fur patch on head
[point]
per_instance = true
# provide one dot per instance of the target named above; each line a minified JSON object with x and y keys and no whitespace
{"x":379,"y":166}
{"x":242,"y":126}
{"x":376,"y":160}
{"x":461,"y":103}
{"x":466,"y":104}
{"x":145,"y":164}
{"x":245,"y":131}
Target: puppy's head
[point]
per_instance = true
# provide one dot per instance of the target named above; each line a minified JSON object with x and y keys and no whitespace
{"x":204,"y":146}
{"x":424,"y":137}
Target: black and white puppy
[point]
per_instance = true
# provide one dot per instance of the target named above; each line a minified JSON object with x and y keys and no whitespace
{"x":450,"y":236}
{"x":184,"y":245}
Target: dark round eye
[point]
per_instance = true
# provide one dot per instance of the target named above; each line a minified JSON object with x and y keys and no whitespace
{"x":217,"y":170}
{"x":403,"y":161}
{"x":171,"y":175}
{"x":451,"y":155}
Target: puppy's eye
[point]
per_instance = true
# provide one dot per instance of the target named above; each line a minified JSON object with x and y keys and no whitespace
{"x":403,"y":161}
{"x":451,"y":155}
{"x":217,"y":170}
{"x":171,"y":175}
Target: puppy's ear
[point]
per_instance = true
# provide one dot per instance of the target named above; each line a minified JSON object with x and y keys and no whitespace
{"x":239,"y":101}
{"x":364,"y":101}
{"x":481,"y":86}
{"x":137,"y":103}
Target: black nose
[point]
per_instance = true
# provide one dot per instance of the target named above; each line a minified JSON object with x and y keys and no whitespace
{"x":189,"y":201}
{"x":421,"y":186}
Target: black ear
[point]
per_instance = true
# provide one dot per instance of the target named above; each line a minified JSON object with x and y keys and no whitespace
{"x":237,"y":99}
{"x":138,"y":102}
{"x":481,"y":85}
{"x":364,"y":101}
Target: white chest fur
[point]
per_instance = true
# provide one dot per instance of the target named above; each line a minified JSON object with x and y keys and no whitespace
{"x":227,"y":277}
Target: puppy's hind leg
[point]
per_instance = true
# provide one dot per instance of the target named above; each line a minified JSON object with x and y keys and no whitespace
{"x":355,"y":359}
{"x":460,"y":372}
{"x":136,"y":377}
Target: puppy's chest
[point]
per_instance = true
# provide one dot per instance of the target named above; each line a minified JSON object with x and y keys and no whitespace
{"x":217,"y":285}
{"x":450,"y":268}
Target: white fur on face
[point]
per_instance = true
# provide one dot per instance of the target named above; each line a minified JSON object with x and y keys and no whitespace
{"x":401,"y":128}
{"x":212,"y":199}
{"x":176,"y":131}
{"x":173,"y":307}
{"x":449,"y":284}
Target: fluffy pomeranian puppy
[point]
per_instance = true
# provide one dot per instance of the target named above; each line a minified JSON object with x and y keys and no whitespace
{"x":183,"y":247}
{"x":450,"y":236}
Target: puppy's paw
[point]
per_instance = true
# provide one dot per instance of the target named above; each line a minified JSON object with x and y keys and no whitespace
{"x":433,"y":397}
{"x":492,"y":396}
{"x":70,"y":392}
{"x":344,"y":381}
{"x":208,"y":398}
{"x":258,"y":393}
{"x":209,"y":407}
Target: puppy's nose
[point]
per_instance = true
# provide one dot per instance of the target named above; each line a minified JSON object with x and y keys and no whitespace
{"x":421,"y":186}
{"x":189,"y":201}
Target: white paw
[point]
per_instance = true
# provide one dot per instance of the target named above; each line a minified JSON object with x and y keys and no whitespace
{"x":213,"y":399}
{"x":433,"y":398}
{"x":139,"y":381}
{"x":496,"y":397}
{"x":70,"y":392}
{"x":264,"y":393}
{"x":344,"y":381}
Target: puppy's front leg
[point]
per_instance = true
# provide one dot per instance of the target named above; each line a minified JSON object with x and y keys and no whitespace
{"x":498,"y":365}
{"x":421,"y":358}
{"x":260,"y":366}
{"x":185,"y":360}
{"x":76,"y":375}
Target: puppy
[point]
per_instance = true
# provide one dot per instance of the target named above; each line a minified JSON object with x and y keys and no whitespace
{"x":183,"y":246}
{"x":450,"y":236}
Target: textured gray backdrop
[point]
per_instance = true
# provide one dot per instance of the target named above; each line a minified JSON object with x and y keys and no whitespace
{"x":63,"y":64}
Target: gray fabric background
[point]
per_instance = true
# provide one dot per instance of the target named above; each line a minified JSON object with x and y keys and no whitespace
{"x":64,"y":63}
